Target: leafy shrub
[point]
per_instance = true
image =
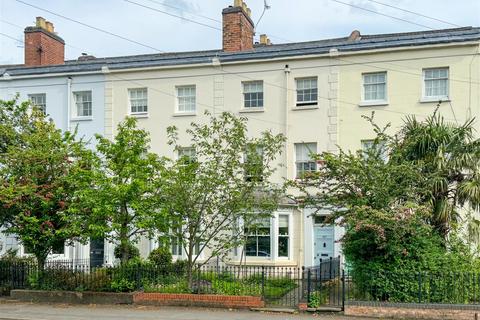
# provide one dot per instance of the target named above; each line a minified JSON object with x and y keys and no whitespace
{"x":132,"y":251}
{"x":161,"y":258}
{"x":179,"y":267}
{"x":99,"y":280}
{"x":317,"y":298}
{"x":122,"y":285}
{"x":389,"y":251}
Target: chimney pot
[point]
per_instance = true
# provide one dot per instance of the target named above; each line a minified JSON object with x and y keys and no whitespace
{"x":238,"y":3}
{"x":41,"y":23}
{"x":264,"y":40}
{"x":49,"y":26}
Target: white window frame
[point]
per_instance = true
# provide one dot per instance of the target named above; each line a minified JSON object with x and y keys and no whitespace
{"x":271,"y":236}
{"x":183,"y":253}
{"x":305,"y":104}
{"x":260,"y":152}
{"x":178,"y":97}
{"x":373,"y":102}
{"x":257,"y":83}
{"x":75,"y":105}
{"x":426,"y":98}
{"x":274,"y":243}
{"x":289,"y":236}
{"x":368,"y":143}
{"x":42,"y":106}
{"x":297,"y":161}
{"x":52,"y":255}
{"x":179,"y":245}
{"x":130,"y":99}
{"x":186,"y":151}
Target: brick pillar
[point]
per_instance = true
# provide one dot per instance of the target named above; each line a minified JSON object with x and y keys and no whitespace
{"x":42,"y":46}
{"x":238,"y":28}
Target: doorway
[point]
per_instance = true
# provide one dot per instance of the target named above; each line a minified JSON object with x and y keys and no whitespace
{"x":97,"y":252}
{"x":324,"y":239}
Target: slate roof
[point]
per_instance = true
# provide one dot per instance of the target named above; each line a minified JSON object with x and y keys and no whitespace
{"x":366,"y":42}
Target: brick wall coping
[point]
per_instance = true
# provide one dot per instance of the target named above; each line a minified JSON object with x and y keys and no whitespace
{"x":413,"y":305}
{"x":38,"y":29}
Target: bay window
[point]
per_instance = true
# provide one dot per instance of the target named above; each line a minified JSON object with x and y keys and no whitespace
{"x":258,"y":242}
{"x":283,"y":235}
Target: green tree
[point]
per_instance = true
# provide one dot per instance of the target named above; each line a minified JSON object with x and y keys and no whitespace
{"x":449,"y":158}
{"x":121,"y":194}
{"x":15,"y":121}
{"x":37,"y":168}
{"x":382,"y":198}
{"x":223,"y":182}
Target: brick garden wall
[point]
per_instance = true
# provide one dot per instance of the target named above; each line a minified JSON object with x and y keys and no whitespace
{"x":412,"y":311}
{"x":198,"y":300}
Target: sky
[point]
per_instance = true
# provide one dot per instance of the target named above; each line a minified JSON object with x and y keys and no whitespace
{"x":285,"y":21}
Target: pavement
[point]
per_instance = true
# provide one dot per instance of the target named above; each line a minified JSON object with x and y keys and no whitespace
{"x":29,"y":311}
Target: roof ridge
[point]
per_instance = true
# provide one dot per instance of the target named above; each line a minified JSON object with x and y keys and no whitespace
{"x":365,"y":42}
{"x":419,"y":32}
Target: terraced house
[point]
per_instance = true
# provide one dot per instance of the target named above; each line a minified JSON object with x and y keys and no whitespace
{"x":312,"y":92}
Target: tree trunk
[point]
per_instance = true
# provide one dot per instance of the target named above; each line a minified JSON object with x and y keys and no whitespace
{"x":190,"y":265}
{"x":124,"y":241}
{"x":41,"y":259}
{"x":124,"y":249}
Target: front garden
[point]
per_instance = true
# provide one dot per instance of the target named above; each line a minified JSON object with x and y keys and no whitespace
{"x":143,"y":275}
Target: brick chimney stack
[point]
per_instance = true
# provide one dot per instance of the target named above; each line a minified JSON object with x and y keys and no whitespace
{"x":43,"y":46}
{"x":238,"y":27}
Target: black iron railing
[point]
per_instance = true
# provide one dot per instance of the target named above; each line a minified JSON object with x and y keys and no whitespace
{"x":414,"y":287}
{"x":283,"y":286}
{"x":325,"y":284}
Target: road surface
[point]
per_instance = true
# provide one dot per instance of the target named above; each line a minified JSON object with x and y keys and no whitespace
{"x":26,"y":311}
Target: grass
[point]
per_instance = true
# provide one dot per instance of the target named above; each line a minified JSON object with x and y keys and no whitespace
{"x":226,"y":284}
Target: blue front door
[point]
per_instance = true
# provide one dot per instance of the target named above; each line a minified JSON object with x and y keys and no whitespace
{"x":324,"y":237}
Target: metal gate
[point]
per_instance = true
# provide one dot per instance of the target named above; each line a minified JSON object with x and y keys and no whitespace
{"x":318,"y":286}
{"x":326,"y":285}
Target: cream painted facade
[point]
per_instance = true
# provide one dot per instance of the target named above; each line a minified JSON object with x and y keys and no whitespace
{"x":405,"y":88}
{"x":342,"y":69}
{"x":219,"y":88}
{"x":334,"y":121}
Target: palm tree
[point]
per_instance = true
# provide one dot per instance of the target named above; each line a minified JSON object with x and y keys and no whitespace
{"x":449,"y":156}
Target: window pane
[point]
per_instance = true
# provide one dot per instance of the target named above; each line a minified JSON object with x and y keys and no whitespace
{"x":253,"y":94}
{"x":186,"y":98}
{"x":251,"y":247}
{"x":39,"y":100}
{"x":138,"y":100}
{"x":307,"y":90}
{"x":258,"y":240}
{"x":436,"y":82}
{"x":264,"y":246}
{"x":283,"y":225}
{"x":303,"y":151}
{"x":83,"y":101}
{"x":374,"y":86}
{"x":283,"y":246}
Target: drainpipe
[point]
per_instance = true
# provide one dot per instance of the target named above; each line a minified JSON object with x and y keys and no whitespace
{"x":69,"y":101}
{"x":287,"y":101}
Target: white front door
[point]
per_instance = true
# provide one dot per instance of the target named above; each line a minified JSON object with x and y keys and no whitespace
{"x":323,"y":243}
